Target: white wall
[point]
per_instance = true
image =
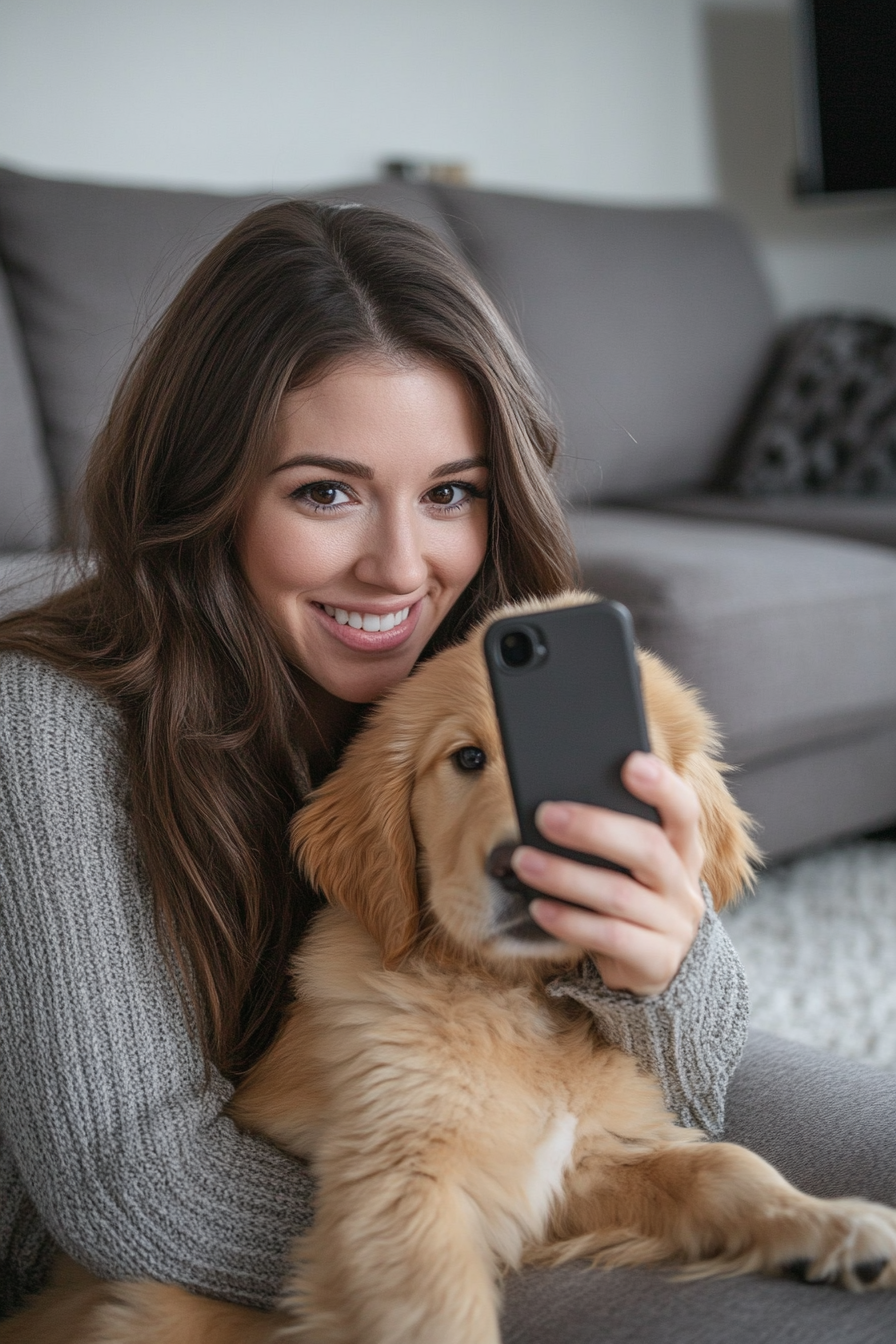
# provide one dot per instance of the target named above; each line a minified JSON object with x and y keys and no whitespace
{"x":588,"y":97}
{"x":639,"y":100}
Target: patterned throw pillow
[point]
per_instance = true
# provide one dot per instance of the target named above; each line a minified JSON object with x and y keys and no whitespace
{"x":825,"y":419}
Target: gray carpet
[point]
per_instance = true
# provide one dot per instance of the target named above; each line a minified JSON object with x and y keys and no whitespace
{"x":818,"y":940}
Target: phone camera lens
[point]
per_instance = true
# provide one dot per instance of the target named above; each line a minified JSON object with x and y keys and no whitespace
{"x":516,"y":648}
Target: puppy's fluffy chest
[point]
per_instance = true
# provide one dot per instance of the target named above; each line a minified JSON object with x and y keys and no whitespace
{"x":461,"y":1077}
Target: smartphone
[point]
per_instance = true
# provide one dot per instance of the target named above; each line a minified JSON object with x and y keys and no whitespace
{"x":567,"y":691}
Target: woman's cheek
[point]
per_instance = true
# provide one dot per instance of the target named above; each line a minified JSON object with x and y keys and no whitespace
{"x":284,"y":557}
{"x":469,"y":547}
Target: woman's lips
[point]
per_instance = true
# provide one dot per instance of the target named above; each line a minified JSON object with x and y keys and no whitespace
{"x":369,"y":641}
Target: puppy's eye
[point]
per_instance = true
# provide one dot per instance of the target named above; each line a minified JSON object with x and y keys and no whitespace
{"x":470,"y":758}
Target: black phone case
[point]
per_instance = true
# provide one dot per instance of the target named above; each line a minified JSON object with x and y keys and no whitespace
{"x":569,"y":720}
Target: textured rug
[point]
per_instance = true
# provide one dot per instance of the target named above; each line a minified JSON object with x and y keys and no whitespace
{"x":818,"y":941}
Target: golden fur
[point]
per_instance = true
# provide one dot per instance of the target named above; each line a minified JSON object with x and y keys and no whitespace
{"x":460,"y":1122}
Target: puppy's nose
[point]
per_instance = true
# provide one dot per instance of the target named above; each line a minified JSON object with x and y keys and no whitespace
{"x":498,"y":866}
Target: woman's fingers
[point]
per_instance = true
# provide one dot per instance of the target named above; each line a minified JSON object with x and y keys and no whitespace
{"x":639,"y":846}
{"x":651,"y":780}
{"x":598,"y":889}
{"x":629,"y":956}
{"x":608,"y":908}
{"x":638,"y":924}
{"x":642,"y":847}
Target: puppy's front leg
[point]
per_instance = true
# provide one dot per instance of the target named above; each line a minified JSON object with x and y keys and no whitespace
{"x":394,"y":1258}
{"x":722,"y":1209}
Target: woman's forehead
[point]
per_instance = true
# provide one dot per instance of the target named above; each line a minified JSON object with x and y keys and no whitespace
{"x":375,"y":414}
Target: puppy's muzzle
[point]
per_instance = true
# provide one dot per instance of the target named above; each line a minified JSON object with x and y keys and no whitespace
{"x":510,"y":900}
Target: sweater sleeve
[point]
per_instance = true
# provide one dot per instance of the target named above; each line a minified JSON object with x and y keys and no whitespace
{"x":691,"y":1036}
{"x":122,"y":1148}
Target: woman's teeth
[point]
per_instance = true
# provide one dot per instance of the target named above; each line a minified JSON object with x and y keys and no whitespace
{"x":365,"y":621}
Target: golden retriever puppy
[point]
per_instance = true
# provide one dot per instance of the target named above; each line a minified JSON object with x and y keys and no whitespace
{"x":460,"y":1121}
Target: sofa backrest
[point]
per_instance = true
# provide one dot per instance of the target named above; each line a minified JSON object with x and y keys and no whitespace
{"x":649,"y":327}
{"x":27,"y":499}
{"x":90,"y":267}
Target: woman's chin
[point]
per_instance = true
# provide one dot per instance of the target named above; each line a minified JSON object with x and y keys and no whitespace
{"x":362,"y":685}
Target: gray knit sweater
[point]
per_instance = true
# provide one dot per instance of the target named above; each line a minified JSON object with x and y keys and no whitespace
{"x":111,"y":1147}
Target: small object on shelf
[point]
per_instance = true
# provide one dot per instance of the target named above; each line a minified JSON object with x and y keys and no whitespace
{"x":425,"y":170}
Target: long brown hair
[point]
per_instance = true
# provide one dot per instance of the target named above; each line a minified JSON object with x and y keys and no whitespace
{"x":164,"y":624}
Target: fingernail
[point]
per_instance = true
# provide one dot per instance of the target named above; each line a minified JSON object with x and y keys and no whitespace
{"x":545,"y":911}
{"x":528,"y":862}
{"x":644,"y":767}
{"x":556,"y":815}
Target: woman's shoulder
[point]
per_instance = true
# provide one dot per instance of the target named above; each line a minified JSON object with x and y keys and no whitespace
{"x":45,"y":710}
{"x":26,"y":680}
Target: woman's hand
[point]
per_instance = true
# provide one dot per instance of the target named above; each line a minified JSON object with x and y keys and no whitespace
{"x":639,"y":929}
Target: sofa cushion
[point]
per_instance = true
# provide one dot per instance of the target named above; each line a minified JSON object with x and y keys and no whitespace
{"x":825,"y":422}
{"x":791,"y":638}
{"x":648,"y":324}
{"x":27,"y":504}
{"x":842,"y":786}
{"x":91,"y":267}
{"x":872,"y":520}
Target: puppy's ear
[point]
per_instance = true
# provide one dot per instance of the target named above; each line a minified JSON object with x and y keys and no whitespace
{"x":353,"y":838}
{"x":725,"y":831}
{"x":684,"y":735}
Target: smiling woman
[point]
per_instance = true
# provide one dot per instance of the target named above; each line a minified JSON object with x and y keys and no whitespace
{"x":313,"y":339}
{"x":370,"y":560}
{"x":329,"y":431}
{"x":328,"y":462}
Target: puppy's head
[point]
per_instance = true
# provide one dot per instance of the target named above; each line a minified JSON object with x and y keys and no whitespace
{"x":413,"y":832}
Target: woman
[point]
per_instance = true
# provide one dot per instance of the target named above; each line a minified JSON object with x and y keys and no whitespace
{"x":327,"y":462}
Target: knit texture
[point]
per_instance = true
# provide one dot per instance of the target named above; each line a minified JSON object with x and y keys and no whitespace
{"x":692,"y":1035}
{"x":111,"y":1147}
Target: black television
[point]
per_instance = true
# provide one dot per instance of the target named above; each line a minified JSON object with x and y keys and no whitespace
{"x":846,"y":95}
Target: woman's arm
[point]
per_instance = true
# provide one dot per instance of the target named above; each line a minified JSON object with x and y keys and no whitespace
{"x":665,"y":983}
{"x":125,"y":1154}
{"x":691,"y":1036}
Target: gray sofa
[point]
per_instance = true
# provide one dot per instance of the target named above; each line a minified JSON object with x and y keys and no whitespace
{"x":650,"y":328}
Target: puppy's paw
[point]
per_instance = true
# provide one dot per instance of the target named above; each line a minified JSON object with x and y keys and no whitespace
{"x":848,"y":1242}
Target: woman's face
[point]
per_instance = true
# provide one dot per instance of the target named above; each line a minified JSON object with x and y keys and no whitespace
{"x":370,"y":523}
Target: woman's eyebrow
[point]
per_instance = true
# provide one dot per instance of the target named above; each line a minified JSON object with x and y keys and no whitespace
{"x":462,"y":464}
{"x":343,"y":466}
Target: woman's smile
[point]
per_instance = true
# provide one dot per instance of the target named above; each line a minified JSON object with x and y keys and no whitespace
{"x":371,"y":522}
{"x":370,"y":631}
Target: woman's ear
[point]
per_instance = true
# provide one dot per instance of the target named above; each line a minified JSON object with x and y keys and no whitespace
{"x":353,"y":838}
{"x":684,"y":735}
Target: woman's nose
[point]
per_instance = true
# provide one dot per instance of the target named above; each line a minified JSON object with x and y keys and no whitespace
{"x":393,"y":557}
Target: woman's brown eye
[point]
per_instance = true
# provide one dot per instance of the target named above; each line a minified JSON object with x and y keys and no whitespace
{"x":321,"y":494}
{"x":451,"y":496}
